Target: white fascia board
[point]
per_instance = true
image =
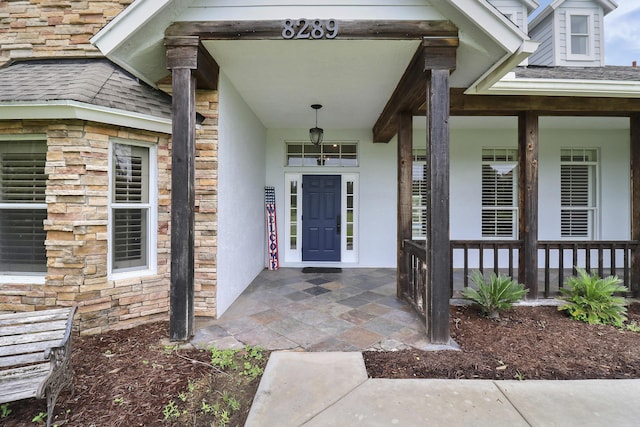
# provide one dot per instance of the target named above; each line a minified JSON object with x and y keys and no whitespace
{"x":503,"y":67}
{"x":502,"y":31}
{"x":60,"y":110}
{"x":109,"y":38}
{"x":545,"y":12}
{"x":497,"y":26}
{"x":531,"y":5}
{"x":565,"y":87}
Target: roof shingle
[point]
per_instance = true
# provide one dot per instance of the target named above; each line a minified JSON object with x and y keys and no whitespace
{"x":94,"y":81}
{"x":612,"y":73}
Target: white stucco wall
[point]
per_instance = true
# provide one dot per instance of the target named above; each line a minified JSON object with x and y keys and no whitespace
{"x":377,"y":190}
{"x":241,"y":172}
{"x":469,"y":135}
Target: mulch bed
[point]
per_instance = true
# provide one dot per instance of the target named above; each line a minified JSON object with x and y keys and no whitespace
{"x":530,"y":343}
{"x":126,"y":378}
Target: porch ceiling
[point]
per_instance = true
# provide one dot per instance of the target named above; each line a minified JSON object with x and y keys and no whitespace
{"x":279,"y":80}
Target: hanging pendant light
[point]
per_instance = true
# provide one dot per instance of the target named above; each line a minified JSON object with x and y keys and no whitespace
{"x":316,"y":134}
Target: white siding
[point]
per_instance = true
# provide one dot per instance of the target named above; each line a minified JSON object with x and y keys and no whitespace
{"x":203,"y":10}
{"x":241,"y":171}
{"x":513,"y":9}
{"x":553,"y":34}
{"x":597,"y":38}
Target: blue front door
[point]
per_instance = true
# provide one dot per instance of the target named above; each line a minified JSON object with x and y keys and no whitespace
{"x":321,"y":217}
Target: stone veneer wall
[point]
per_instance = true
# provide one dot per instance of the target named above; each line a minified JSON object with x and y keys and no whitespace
{"x":78,"y":182}
{"x":76,"y":226}
{"x":206,"y":216}
{"x":46,"y":28}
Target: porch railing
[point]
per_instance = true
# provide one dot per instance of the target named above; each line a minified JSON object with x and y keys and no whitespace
{"x":606,"y":257}
{"x":558,"y":258}
{"x":414,"y":290}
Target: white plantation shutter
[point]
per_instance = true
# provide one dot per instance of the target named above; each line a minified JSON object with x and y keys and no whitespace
{"x":130,"y":206}
{"x":418,"y":195}
{"x":577,"y":193}
{"x":499,"y":193}
{"x":22,"y":206}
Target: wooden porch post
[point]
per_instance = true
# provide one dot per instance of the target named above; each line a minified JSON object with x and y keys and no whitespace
{"x":182,"y":53}
{"x":635,"y":201}
{"x":438,"y":239}
{"x":528,"y":201}
{"x":439,"y":61}
{"x":405,"y":181}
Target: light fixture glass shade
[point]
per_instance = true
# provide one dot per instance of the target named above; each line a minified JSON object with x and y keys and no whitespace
{"x":315,"y":135}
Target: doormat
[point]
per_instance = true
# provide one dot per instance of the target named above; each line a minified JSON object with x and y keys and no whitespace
{"x":321,"y":270}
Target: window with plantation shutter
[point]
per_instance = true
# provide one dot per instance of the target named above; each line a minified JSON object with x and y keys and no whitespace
{"x":130,"y":207}
{"x":418,"y":195}
{"x":499,"y":193}
{"x":23,"y":208}
{"x":577,"y":192}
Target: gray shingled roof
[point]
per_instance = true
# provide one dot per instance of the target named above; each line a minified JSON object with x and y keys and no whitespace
{"x":613,"y":73}
{"x":93,"y":81}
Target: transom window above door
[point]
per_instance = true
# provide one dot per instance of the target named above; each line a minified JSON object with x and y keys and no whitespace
{"x":325,"y":154}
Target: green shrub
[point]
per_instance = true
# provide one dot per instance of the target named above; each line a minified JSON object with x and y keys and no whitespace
{"x":499,"y":294}
{"x":591,"y":300}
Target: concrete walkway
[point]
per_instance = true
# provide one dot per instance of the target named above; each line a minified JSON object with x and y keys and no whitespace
{"x":332,"y":389}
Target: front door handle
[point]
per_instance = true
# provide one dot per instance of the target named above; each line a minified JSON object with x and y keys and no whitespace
{"x":338,"y":224}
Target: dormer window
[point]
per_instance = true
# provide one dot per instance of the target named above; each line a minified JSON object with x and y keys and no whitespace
{"x":580,"y":44}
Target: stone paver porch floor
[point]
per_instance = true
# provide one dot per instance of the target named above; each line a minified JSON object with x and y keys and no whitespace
{"x":354,"y":310}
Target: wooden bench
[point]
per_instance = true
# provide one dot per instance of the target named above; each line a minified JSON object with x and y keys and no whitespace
{"x":35,"y":355}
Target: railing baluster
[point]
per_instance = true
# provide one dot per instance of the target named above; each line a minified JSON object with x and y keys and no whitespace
{"x":495,"y":259}
{"x":481,"y":258}
{"x":547,"y":255}
{"x":561,"y":266}
{"x":627,"y":266}
{"x":511,"y":261}
{"x":574,"y":248}
{"x":600,"y":261}
{"x":466,"y":265}
{"x":612,"y":270}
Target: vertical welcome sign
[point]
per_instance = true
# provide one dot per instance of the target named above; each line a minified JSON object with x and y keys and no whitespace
{"x":272,"y":230}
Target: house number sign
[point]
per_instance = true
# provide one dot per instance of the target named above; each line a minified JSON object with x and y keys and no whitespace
{"x":309,"y":29}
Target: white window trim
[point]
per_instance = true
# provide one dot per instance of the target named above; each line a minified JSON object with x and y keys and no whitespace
{"x":590,"y":56}
{"x":152,"y":224}
{"x":324,"y":144}
{"x":295,"y":255}
{"x":26,"y":278}
{"x":594,"y":230}
{"x":346,"y":254}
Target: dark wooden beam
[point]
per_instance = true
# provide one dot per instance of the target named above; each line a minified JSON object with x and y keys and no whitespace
{"x":347,"y":30}
{"x":635,"y":201}
{"x":509,"y":105}
{"x":181,"y":59}
{"x":433,"y":53}
{"x":405,"y":193}
{"x":188,"y":51}
{"x":408,"y":94}
{"x":528,"y":201}
{"x":438,"y":240}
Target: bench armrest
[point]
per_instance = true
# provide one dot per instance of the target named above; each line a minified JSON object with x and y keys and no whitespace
{"x":60,"y":371}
